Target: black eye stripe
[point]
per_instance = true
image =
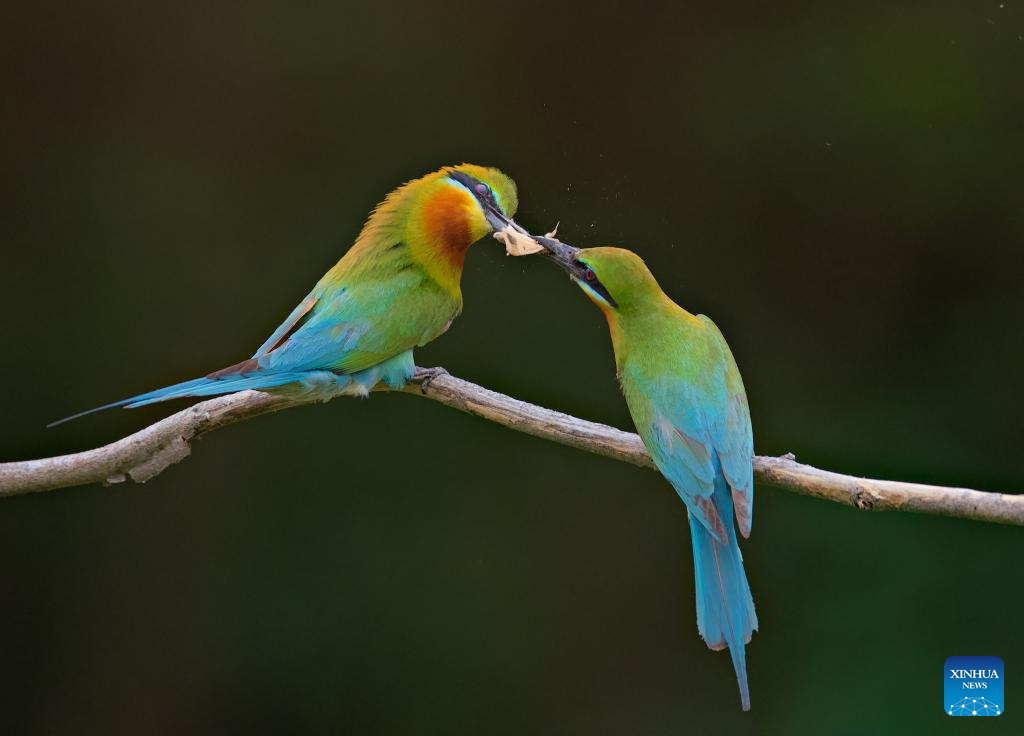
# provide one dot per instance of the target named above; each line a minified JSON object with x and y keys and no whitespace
{"x":592,"y":281}
{"x":479,"y":189}
{"x":464,"y":179}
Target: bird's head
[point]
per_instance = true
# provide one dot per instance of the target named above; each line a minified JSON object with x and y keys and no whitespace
{"x":447,"y":211}
{"x":494,"y":196}
{"x":438,"y":216}
{"x":615,"y":279}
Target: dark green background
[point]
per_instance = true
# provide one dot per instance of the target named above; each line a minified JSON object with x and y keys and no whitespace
{"x":840,"y":188}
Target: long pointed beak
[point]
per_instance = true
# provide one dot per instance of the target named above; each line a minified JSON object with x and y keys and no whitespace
{"x":499,"y":221}
{"x":565,"y":256}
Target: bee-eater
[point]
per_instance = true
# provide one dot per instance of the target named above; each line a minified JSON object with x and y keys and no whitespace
{"x":397,"y":288}
{"x":687,"y":401}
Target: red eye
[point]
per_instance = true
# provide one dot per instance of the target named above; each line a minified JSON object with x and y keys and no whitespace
{"x":589,"y":275}
{"x":482,"y":188}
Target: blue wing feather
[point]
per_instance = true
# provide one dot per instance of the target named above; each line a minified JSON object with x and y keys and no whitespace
{"x":731,"y":433}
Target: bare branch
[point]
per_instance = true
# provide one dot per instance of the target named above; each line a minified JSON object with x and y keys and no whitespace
{"x":148,"y":452}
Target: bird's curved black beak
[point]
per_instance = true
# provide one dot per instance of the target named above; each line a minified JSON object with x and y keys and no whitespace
{"x":565,"y":256}
{"x":498,"y":221}
{"x":568,"y":259}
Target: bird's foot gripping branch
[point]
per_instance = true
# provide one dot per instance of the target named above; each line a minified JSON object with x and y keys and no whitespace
{"x":425,"y":376}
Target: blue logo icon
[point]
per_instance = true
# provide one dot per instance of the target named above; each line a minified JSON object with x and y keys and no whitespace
{"x":973,"y":686}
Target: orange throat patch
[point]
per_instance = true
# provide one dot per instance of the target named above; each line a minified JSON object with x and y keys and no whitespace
{"x":447,"y":226}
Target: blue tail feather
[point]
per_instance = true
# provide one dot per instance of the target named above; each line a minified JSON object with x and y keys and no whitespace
{"x":725,"y":607}
{"x":212,"y":387}
{"x":308,"y":384}
{"x":195,"y":387}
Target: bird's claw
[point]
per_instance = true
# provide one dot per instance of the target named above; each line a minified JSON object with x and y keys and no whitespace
{"x":429,"y":376}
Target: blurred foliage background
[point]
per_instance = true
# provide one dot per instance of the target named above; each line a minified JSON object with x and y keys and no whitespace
{"x":840,"y":188}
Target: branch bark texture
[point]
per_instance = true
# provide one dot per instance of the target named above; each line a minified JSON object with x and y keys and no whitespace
{"x":147,"y":453}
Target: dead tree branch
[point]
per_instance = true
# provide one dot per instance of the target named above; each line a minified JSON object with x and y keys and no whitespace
{"x":148,"y":452}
